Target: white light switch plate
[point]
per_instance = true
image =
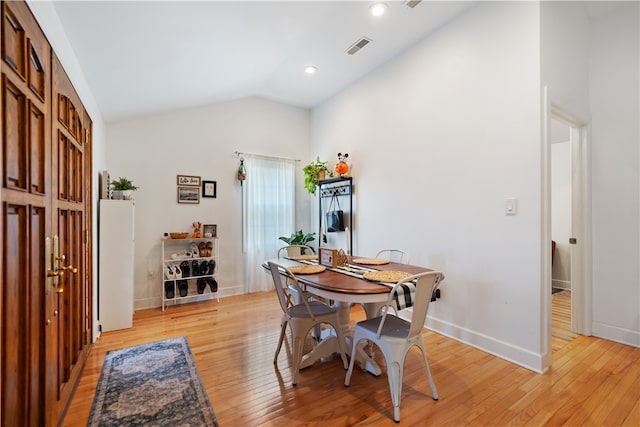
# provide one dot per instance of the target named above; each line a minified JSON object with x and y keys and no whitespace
{"x":510,"y":206}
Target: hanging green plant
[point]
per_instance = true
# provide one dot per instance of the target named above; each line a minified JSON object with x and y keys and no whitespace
{"x":313,"y":173}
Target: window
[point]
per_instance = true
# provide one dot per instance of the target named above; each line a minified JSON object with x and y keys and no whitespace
{"x":268,"y":212}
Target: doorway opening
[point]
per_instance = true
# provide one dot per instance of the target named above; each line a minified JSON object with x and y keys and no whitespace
{"x":567,"y":221}
{"x":561,"y":232}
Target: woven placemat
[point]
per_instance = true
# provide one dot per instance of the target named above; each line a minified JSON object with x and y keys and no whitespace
{"x":370,"y":261}
{"x":307,"y":269}
{"x":385,"y":276}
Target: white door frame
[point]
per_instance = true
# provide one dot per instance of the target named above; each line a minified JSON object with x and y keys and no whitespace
{"x":581,"y":278}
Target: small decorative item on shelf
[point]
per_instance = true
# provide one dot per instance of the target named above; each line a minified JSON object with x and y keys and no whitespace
{"x":342,"y":168}
{"x":210,"y":230}
{"x":178,"y":235}
{"x":242,"y":171}
{"x":196,"y":229}
{"x":123,"y":189}
{"x":314,"y":172}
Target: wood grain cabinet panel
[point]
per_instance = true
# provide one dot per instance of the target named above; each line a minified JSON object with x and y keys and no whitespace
{"x":14,"y":40}
{"x":37,"y":153}
{"x":13,"y":127}
{"x":45,"y":190}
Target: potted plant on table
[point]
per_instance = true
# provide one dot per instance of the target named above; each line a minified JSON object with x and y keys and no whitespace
{"x":314,"y":172}
{"x":123,"y":189}
{"x":299,"y":238}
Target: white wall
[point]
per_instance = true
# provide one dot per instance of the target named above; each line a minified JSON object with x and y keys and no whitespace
{"x":614,"y":91}
{"x":433,"y":162}
{"x":46,"y":16}
{"x":565,"y":55}
{"x":591,"y":68}
{"x":201,"y":141}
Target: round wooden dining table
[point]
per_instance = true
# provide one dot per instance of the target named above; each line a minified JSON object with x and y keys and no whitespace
{"x":345,"y":289}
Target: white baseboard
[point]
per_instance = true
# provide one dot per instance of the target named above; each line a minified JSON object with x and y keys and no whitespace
{"x":520,"y":356}
{"x":561,"y":284}
{"x":614,"y":333}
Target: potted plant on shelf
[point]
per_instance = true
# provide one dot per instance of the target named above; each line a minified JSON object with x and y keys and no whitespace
{"x":298,"y":238}
{"x":314,"y":172}
{"x":123,"y":189}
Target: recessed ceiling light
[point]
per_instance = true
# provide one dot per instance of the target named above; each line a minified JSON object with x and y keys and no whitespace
{"x":310,"y":69}
{"x":378,"y":9}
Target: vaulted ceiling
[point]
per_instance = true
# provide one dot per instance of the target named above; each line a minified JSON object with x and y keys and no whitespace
{"x":144,"y":57}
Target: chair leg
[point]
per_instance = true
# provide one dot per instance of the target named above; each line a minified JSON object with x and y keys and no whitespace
{"x":298,"y":344}
{"x":394,"y":373}
{"x":283,"y":330}
{"x":347,"y":378}
{"x":432,"y":384}
{"x":340,"y":338}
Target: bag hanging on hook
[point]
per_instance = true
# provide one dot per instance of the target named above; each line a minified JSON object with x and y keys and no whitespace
{"x":335,"y":219}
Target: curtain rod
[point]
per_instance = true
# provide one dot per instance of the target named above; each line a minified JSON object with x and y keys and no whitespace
{"x":261,"y":156}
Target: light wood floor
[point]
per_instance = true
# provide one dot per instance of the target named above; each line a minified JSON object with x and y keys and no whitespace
{"x":592,"y":382}
{"x":561,"y":333}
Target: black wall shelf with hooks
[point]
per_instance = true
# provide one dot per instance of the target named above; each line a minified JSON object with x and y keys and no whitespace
{"x":341,"y":187}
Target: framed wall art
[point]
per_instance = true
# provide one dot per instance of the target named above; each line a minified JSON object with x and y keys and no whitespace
{"x":210,"y":230}
{"x":209,"y":189}
{"x":188,"y":195}
{"x":189,"y":180}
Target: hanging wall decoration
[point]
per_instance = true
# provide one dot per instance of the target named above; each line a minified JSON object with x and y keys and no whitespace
{"x":242,"y":171}
{"x":209,"y":189}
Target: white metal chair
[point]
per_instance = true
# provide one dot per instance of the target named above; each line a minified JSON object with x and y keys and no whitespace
{"x":301,"y":318}
{"x":396,"y":336}
{"x":295,"y":250}
{"x":394,"y":255}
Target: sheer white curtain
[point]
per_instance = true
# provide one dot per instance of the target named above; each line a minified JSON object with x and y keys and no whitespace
{"x":268,"y":212}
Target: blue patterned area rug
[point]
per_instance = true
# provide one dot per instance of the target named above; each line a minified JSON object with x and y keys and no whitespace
{"x":151,"y":384}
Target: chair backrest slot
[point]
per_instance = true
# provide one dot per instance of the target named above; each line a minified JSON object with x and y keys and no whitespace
{"x":394,"y":255}
{"x":426,"y":284}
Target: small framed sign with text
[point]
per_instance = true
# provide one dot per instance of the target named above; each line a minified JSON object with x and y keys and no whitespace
{"x":188,"y":180}
{"x":328,"y":257}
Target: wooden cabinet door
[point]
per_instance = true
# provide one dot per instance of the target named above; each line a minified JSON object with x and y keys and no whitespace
{"x":44,"y":333}
{"x":71,"y":183}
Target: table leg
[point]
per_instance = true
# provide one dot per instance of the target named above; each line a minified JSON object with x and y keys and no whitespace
{"x":329,"y":344}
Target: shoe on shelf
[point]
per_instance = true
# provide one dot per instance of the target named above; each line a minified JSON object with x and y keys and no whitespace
{"x":196,"y":268}
{"x":202,"y":247}
{"x":177,"y":272}
{"x":212,"y":266}
{"x":202,"y":285}
{"x":169,"y":273}
{"x":180,"y":255}
{"x":195,"y":252}
{"x":212,"y":284}
{"x":169,"y":290}
{"x":209,"y":248}
{"x":183,"y":287}
{"x":205,"y":268}
{"x":184,"y":266}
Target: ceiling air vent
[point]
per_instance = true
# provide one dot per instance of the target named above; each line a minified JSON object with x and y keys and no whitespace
{"x":358,"y":45}
{"x":412,"y":3}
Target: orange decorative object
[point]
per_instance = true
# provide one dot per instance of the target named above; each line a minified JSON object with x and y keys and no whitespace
{"x":342,"y":168}
{"x":196,"y":229}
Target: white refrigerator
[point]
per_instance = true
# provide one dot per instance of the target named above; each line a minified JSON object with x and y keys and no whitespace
{"x":115,"y":277}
